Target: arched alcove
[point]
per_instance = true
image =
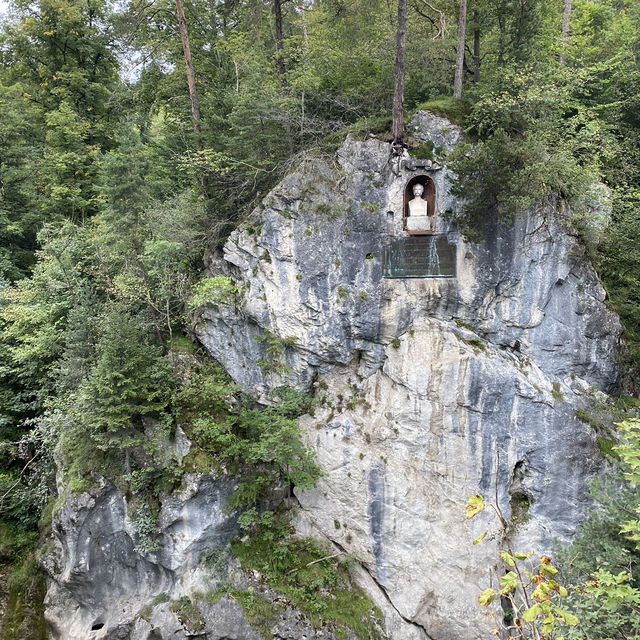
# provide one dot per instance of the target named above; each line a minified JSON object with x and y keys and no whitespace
{"x":429,"y":194}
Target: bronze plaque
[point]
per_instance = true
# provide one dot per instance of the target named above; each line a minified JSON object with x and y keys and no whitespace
{"x":420,"y":257}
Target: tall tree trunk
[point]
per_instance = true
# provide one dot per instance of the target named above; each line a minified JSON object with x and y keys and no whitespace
{"x":476,"y":47}
{"x":502,"y":37}
{"x":462,"y":27}
{"x":282,"y":70}
{"x":191,"y":81}
{"x":191,"y":78}
{"x":397,"y":127}
{"x":566,"y":19}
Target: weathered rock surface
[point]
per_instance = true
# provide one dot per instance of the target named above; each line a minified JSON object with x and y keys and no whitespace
{"x":433,"y":388}
{"x":429,"y":390}
{"x":101,"y":587}
{"x":100,"y":580}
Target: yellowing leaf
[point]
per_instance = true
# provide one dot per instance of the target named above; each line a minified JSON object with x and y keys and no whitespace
{"x":532,"y":613}
{"x":480,"y":538}
{"x":508,"y":558}
{"x":486,"y":597}
{"x":541,"y":592}
{"x":566,"y":617}
{"x":475,"y":505}
{"x":522,"y":556}
{"x":548,"y":569}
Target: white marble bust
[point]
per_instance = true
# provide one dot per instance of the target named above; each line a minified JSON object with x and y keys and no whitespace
{"x":418,"y":205}
{"x":418,"y":220}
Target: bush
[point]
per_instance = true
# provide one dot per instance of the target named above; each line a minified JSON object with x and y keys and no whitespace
{"x":263,"y":441}
{"x":532,"y":143}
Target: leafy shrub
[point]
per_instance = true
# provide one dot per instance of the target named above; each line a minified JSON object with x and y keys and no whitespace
{"x":263,"y":441}
{"x":145,"y":522}
{"x":531,"y":145}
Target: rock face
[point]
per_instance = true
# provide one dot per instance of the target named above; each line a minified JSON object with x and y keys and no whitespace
{"x":100,"y":581}
{"x":431,"y":389}
{"x":428,"y":390}
{"x":101,"y":587}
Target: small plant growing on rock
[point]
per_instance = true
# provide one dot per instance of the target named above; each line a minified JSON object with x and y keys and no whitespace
{"x":556,"y":392}
{"x":274,"y":360}
{"x":218,"y":289}
{"x":372,"y":207}
{"x":145,"y":523}
{"x":189,"y":616}
{"x":529,"y":590}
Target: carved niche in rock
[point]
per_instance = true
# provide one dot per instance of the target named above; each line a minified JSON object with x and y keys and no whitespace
{"x":420,"y":205}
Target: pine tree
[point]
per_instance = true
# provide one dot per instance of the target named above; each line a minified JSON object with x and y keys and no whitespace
{"x":130,"y":381}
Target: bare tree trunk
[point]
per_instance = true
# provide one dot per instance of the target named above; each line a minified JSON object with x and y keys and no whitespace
{"x":462,"y":27}
{"x":191,"y":81}
{"x":282,"y":70}
{"x":476,"y":47}
{"x":397,"y":126}
{"x":191,"y":78}
{"x":566,"y":19}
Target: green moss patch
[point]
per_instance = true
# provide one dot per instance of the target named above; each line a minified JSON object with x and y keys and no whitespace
{"x":257,"y":610}
{"x":445,"y":106}
{"x":189,"y":615}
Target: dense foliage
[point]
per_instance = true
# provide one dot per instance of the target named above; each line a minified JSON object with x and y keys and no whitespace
{"x":604,"y":560}
{"x":113,"y":186}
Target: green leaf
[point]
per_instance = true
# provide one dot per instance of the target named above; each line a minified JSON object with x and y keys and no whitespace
{"x":566,"y":617}
{"x":486,"y":597}
{"x":548,"y":569}
{"x":522,"y":556}
{"x":474,"y":506}
{"x":508,"y":582}
{"x":508,"y":558}
{"x":532,"y":613}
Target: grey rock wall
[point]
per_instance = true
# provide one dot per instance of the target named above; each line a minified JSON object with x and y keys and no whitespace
{"x":432,"y":389}
{"x":99,"y":581}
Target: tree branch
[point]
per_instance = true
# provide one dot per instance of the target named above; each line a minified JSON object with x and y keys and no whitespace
{"x":442,"y":23}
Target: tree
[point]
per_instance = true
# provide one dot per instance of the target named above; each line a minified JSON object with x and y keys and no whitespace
{"x":191,"y":79}
{"x":130,"y":381}
{"x":21,"y":150}
{"x":397,"y":126}
{"x":279,"y":42}
{"x":476,"y":46}
{"x":566,"y":20}
{"x":63,"y":51}
{"x":462,"y":25}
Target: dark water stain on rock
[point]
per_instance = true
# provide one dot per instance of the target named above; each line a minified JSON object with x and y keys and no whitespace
{"x":375,"y":511}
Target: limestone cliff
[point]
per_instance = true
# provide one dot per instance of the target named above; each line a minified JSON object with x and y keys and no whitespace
{"x":434,"y":388}
{"x":430,"y":390}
